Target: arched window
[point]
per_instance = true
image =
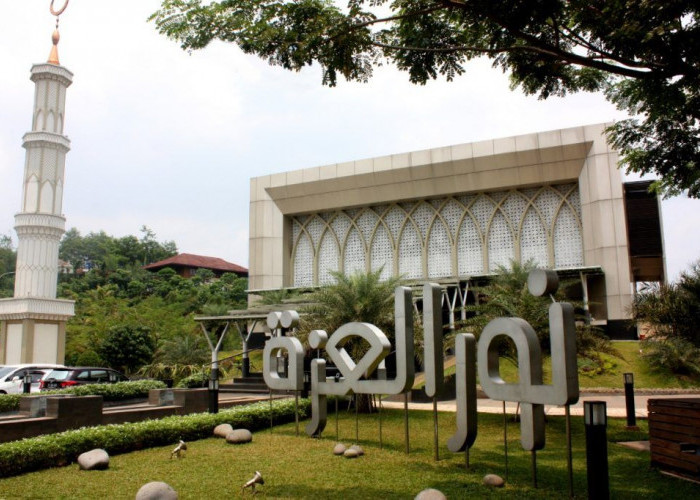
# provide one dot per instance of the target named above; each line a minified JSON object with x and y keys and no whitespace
{"x":303,"y":262}
{"x":439,"y":251}
{"x":328,"y":258}
{"x":354,"y":255}
{"x":410,"y":253}
{"x":382,"y":253}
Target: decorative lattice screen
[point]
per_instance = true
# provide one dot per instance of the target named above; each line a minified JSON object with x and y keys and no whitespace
{"x":457,"y":236}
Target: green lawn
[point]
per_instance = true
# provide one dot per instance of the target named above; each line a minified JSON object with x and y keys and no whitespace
{"x":300,"y":467}
{"x":630,"y":361}
{"x":256,"y":363}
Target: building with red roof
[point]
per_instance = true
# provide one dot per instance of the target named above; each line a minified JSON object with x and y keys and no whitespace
{"x":187,"y":264}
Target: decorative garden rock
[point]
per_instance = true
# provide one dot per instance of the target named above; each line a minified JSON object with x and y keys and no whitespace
{"x":97,"y":459}
{"x":494,"y":480}
{"x":350,"y":453}
{"x":339,"y":449}
{"x":430,"y":494}
{"x":358,"y":449}
{"x":223,"y":430}
{"x":156,"y":490}
{"x":239,"y":436}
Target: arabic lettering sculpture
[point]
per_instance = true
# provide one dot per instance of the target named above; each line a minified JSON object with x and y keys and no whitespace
{"x":355,"y":377}
{"x":530,"y":392}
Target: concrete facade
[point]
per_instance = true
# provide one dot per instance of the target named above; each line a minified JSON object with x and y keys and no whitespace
{"x":575,"y":161}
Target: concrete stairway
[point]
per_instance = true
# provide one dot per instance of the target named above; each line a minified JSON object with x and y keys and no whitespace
{"x":252,"y":384}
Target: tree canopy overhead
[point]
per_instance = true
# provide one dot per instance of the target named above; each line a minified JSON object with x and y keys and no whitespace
{"x":644,"y":54}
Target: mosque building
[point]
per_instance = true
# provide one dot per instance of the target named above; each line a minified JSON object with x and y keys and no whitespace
{"x":454,"y":214}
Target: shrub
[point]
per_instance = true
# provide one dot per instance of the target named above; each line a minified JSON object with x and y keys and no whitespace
{"x":672,"y":310}
{"x":110,"y":392}
{"x":199,"y":379}
{"x":63,"y":448}
{"x":674,"y":354}
{"x":9,"y":402}
{"x":164,"y":371}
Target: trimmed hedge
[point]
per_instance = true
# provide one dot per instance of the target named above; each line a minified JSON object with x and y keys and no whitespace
{"x":110,"y":392}
{"x":63,"y":448}
{"x":9,"y":402}
{"x":194,"y":381}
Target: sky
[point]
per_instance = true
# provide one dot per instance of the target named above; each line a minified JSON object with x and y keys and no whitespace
{"x":168,"y":139}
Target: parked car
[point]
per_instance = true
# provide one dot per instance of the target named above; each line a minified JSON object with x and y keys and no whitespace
{"x":12,"y":376}
{"x":60,"y":378}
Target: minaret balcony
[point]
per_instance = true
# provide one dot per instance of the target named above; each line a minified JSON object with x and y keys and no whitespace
{"x":47,"y":139}
{"x":46,"y":71}
{"x":36,"y":308}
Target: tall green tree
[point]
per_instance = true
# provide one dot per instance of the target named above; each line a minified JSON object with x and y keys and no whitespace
{"x":104,"y":253}
{"x":645,"y":55}
{"x":127,"y":348}
{"x":8,"y":258}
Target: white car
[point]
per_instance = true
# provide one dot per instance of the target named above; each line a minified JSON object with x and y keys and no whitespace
{"x":12,"y":376}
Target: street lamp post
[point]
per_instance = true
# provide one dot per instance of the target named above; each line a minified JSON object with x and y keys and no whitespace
{"x":596,"y":421}
{"x":629,"y":400}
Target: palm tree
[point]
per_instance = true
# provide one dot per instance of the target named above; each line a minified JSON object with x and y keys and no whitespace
{"x":359,"y":297}
{"x":507,"y":295}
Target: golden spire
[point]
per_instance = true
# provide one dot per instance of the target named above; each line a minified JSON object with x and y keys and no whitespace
{"x":53,"y":56}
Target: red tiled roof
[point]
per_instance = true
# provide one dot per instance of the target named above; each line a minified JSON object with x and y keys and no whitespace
{"x":200,"y":261}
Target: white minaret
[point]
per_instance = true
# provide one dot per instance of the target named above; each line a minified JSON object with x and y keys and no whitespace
{"x":33,"y":322}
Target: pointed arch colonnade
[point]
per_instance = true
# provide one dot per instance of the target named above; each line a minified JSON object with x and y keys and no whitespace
{"x":450,"y":237}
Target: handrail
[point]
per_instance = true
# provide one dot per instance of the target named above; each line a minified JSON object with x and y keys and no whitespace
{"x":236,"y":355}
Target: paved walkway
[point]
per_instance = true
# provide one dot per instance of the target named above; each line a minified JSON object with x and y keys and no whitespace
{"x":615,"y":405}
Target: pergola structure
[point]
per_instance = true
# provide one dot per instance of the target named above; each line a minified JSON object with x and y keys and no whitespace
{"x":247,"y":323}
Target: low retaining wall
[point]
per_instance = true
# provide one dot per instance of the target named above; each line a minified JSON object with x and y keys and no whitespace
{"x":56,"y":413}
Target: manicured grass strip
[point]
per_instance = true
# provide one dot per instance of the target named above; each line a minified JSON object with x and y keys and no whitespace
{"x":63,"y":448}
{"x":110,"y":392}
{"x":300,"y":467}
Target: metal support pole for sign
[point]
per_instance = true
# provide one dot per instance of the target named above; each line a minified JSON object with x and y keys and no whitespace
{"x":296,"y":410}
{"x":337,"y":434}
{"x":505,"y":438}
{"x":27,"y":384}
{"x":405,"y":418}
{"x":357,"y":426}
{"x":629,"y":400}
{"x":213,"y":395}
{"x":270,"y":410}
{"x":534,"y":468}
{"x":435,"y":429}
{"x":569,"y":460}
{"x":596,"y":420}
{"x":380,"y":423}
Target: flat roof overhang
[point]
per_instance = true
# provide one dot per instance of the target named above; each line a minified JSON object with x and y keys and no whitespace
{"x":520,"y":169}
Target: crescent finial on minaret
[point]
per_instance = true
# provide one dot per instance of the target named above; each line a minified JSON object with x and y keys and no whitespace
{"x":53,"y":56}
